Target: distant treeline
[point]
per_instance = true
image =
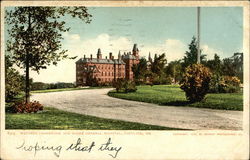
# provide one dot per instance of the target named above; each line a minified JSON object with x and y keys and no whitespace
{"x":43,"y":86}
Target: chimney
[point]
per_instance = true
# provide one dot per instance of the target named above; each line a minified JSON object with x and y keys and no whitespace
{"x":135,"y":47}
{"x":84,"y":56}
{"x":99,"y":54}
{"x":110,"y":55}
{"x":119,"y":55}
{"x":106,"y":57}
{"x":91,"y":56}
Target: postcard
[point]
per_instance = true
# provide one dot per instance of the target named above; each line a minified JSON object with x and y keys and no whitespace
{"x":124,"y":80}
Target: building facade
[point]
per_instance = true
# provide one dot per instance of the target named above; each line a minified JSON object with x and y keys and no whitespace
{"x":106,"y":70}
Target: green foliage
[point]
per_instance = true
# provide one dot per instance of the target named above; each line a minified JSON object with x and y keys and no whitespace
{"x":157,"y":66}
{"x":172,"y":95}
{"x":174,"y":70}
{"x":35,"y":35}
{"x":53,"y":118}
{"x":13,"y":84}
{"x":224,"y":84}
{"x":14,"y":81}
{"x":233,"y":66}
{"x":195,"y":82}
{"x":23,"y":107}
{"x":92,"y":81}
{"x":129,"y":86}
{"x":123,"y":85}
{"x":140,"y":71}
{"x":215,"y":65}
{"x":44,"y":86}
{"x":191,"y":55}
{"x":36,"y":31}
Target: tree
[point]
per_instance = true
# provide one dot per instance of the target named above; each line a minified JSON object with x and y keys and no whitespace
{"x":233,"y":66}
{"x":174,"y":70}
{"x":35,"y":36}
{"x":158,"y":65}
{"x":140,"y":70}
{"x":13,"y":80}
{"x":215,"y":65}
{"x":191,"y":55}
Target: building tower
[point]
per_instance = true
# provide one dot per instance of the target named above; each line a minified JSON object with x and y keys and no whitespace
{"x":136,"y":52}
{"x":99,"y":54}
{"x":149,"y":57}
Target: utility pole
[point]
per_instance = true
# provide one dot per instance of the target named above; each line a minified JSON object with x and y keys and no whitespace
{"x":198,"y":36}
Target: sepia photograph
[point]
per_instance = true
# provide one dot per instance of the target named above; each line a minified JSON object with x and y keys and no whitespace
{"x":126,"y":70}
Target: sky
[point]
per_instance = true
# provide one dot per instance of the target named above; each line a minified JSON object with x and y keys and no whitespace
{"x":158,"y":30}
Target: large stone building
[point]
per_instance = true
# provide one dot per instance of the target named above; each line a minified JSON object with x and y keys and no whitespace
{"x":106,"y":70}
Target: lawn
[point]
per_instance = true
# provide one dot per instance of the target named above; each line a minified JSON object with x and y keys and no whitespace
{"x":172,"y":95}
{"x":66,"y":89}
{"x":52,"y":118}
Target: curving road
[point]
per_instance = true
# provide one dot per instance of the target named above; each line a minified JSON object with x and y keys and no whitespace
{"x":96,"y":102}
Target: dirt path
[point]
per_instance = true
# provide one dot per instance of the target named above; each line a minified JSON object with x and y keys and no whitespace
{"x":96,"y":102}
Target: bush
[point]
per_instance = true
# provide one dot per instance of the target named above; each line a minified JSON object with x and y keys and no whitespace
{"x":13,"y":84}
{"x":195,"y":82}
{"x":22,"y":107}
{"x":129,"y":86}
{"x":215,"y":84}
{"x":122,"y":85}
{"x":92,"y":81}
{"x":156,"y":80}
{"x":224,"y":84}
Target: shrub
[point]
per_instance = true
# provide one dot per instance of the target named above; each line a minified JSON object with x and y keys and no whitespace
{"x":22,"y":107}
{"x":156,"y":80}
{"x":129,"y":86}
{"x":13,"y":84}
{"x":230,"y":84}
{"x":224,"y":84}
{"x":195,"y":82}
{"x":122,"y":85}
{"x":215,"y":84}
{"x":92,"y":81}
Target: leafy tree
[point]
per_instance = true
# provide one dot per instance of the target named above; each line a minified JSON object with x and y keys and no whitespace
{"x":191,"y":55}
{"x":157,"y":69}
{"x":215,"y":65}
{"x":35,"y":36}
{"x":13,"y":80}
{"x":157,"y":66}
{"x":174,"y":70}
{"x":233,"y":66}
{"x":238,"y":63}
{"x":140,"y":70}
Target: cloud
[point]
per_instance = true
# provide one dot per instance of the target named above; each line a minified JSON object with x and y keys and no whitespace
{"x":65,"y":70}
{"x":173,"y":48}
{"x":210,"y":51}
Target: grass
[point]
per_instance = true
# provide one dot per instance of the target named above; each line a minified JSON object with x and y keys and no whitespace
{"x":52,"y":118}
{"x":66,"y":89}
{"x":173,"y":96}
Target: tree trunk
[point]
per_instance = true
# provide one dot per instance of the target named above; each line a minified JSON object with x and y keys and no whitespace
{"x":27,"y":86}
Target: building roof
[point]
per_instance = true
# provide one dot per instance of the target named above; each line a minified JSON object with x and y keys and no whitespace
{"x":100,"y":61}
{"x":129,"y":56}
